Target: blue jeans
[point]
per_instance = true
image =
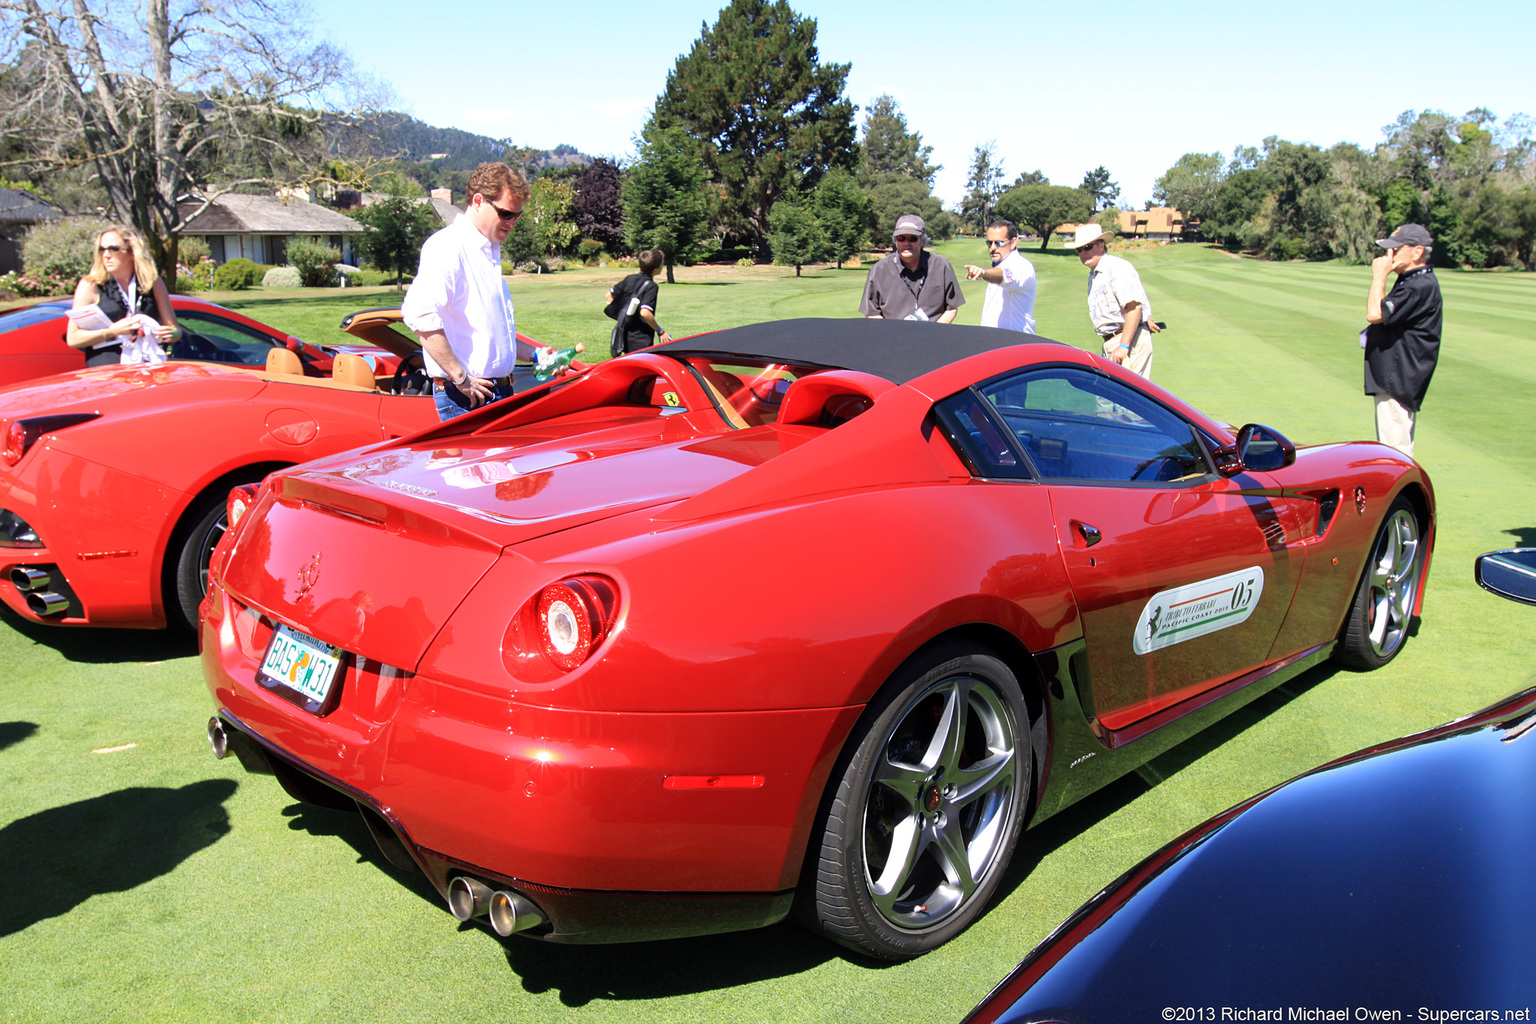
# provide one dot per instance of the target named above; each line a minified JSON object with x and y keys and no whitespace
{"x":452,"y":402}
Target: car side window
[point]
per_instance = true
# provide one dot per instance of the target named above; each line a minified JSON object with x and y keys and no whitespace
{"x":1074,"y":424}
{"x":982,"y":440}
{"x":220,"y":341}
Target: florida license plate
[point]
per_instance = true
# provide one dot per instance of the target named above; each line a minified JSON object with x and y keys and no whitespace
{"x":299,"y":663}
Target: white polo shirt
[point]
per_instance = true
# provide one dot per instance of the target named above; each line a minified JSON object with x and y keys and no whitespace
{"x":459,"y":290}
{"x":1011,"y":305}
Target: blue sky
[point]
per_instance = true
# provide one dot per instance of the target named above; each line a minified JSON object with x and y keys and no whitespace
{"x":1061,"y":87}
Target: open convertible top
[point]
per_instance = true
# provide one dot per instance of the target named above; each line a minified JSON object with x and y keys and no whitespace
{"x":898,"y":350}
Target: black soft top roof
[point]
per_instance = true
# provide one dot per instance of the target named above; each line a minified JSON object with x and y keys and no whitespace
{"x":898,"y":350}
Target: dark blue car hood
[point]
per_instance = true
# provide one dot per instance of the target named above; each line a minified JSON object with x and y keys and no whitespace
{"x":1400,"y":877}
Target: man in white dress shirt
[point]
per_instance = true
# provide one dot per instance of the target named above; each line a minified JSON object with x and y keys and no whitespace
{"x":459,"y":305}
{"x":1117,"y":303}
{"x":1010,"y":301}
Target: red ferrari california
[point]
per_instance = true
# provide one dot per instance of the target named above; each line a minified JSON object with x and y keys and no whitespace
{"x":32,"y":341}
{"x":809,"y":616}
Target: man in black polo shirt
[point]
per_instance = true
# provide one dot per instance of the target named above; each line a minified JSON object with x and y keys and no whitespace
{"x":1403,"y":341}
{"x":911,"y":283}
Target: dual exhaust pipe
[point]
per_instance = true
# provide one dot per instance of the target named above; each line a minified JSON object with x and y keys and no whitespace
{"x":508,"y":912}
{"x":468,"y":898}
{"x":34,"y":584}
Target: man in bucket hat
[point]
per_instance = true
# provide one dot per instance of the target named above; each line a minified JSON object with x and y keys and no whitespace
{"x":911,"y":283}
{"x":1117,"y":303}
{"x":1402,"y":342}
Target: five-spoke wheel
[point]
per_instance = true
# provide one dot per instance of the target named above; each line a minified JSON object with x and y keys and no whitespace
{"x":1379,"y":619}
{"x":928,"y":809}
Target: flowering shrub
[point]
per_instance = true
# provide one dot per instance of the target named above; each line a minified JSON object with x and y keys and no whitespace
{"x":58,"y":251}
{"x":36,"y":286}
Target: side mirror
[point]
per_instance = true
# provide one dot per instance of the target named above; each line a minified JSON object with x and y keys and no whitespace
{"x":1259,"y":448}
{"x":1510,"y":574}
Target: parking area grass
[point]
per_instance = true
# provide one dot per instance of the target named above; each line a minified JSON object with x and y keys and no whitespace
{"x":142,"y":880}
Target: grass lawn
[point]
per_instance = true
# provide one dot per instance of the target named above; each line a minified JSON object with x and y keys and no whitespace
{"x":145,"y":881}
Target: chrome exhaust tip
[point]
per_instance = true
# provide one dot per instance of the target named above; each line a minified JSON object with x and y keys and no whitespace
{"x":24,"y":579}
{"x":511,"y":913}
{"x":468,"y":897}
{"x":218,"y":739}
{"x":45,"y":603}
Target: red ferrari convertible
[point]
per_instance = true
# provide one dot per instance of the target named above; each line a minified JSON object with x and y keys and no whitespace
{"x":815,"y":614}
{"x":113,"y":480}
{"x":32,"y":341}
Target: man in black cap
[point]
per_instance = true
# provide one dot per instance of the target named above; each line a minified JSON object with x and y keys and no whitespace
{"x":911,"y":283}
{"x":1403,"y":341}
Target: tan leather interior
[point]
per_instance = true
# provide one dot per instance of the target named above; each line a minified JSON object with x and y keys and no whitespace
{"x":282,"y":360}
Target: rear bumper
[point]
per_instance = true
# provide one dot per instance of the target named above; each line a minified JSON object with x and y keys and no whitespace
{"x":572,"y":808}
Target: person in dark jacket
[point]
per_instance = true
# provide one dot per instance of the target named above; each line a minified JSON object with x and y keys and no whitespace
{"x":1402,"y":342}
{"x":639,"y":327}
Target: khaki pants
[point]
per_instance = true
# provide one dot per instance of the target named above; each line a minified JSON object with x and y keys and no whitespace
{"x":1140,"y":358}
{"x":1394,"y":424}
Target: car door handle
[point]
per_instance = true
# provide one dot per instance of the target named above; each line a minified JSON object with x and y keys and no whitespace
{"x":1085,"y":536}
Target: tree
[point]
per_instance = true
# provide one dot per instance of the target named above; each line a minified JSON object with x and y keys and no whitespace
{"x":982,"y":187}
{"x":770,"y":116}
{"x":1190,"y":185}
{"x":1044,"y":208}
{"x":1034,"y":177}
{"x":1101,"y":192}
{"x":548,"y":218}
{"x":846,"y":215}
{"x":599,"y":204}
{"x":666,"y":205}
{"x":889,"y":148}
{"x":796,"y":235}
{"x":895,"y":194}
{"x":394,"y":229}
{"x":155,"y":103}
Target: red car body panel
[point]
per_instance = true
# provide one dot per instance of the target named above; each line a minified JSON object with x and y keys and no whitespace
{"x":769,"y":578}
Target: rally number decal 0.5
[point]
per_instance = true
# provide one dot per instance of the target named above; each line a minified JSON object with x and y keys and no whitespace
{"x":1195,"y":609}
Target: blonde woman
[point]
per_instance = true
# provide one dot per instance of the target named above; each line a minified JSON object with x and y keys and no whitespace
{"x":123,"y":284}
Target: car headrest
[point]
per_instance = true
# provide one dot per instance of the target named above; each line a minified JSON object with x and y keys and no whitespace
{"x":282,"y":360}
{"x":350,"y":368}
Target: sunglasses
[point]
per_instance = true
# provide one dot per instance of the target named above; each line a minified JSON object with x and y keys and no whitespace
{"x":503,"y":214}
{"x":117,"y":249}
{"x":907,"y":238}
{"x":997,"y":241}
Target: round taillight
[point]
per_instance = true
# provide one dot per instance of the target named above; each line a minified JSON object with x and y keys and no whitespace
{"x":574,"y":617}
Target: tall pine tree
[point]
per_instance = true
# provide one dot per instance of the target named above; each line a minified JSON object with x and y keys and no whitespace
{"x":771,"y":117}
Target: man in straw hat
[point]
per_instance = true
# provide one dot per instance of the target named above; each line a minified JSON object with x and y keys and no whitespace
{"x":1117,"y":303}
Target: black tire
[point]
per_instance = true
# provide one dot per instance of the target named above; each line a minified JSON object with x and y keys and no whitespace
{"x":905,"y":859}
{"x":209,"y":519}
{"x":1377,"y":624}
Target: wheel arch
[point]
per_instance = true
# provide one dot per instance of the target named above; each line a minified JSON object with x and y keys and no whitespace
{"x":993,"y":639}
{"x":186,"y":518}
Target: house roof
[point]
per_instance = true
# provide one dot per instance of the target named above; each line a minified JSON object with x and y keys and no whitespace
{"x":18,"y":206}
{"x":266,"y":215}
